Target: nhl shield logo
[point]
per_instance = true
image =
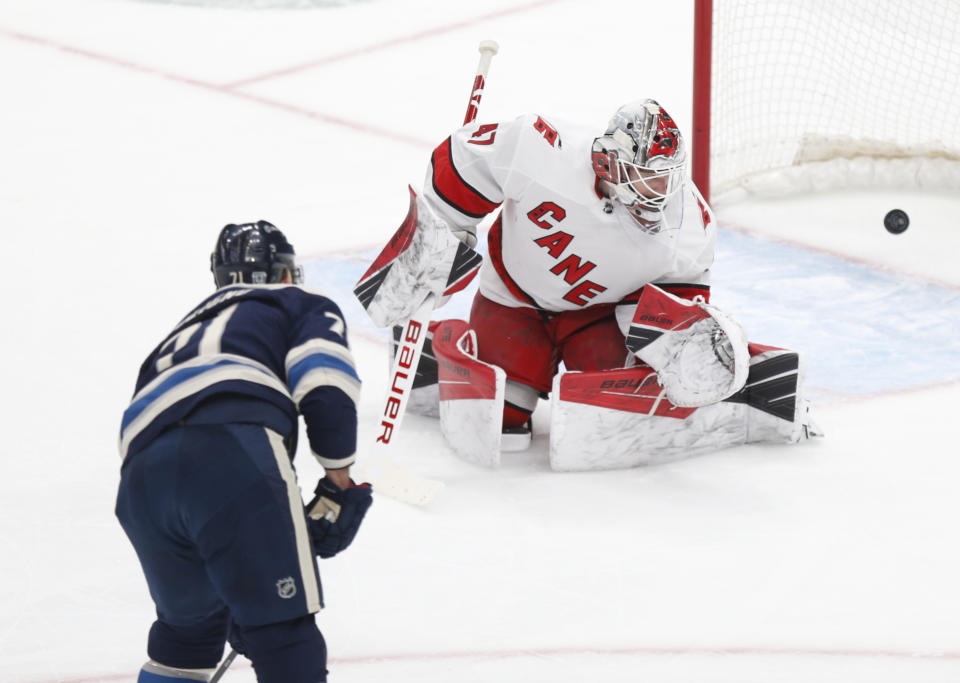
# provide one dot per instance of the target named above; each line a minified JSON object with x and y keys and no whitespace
{"x":286,"y":588}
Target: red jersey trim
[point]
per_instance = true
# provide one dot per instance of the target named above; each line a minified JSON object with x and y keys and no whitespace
{"x":452,"y":188}
{"x":495,"y":251}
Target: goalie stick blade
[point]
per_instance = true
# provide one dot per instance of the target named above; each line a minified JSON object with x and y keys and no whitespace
{"x":400,"y":484}
{"x":368,"y":285}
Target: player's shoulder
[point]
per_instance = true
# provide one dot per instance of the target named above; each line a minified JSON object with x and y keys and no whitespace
{"x":549,"y":131}
{"x":532,"y":132}
{"x":296,"y":295}
{"x":549,"y":148}
{"x":294,"y":298}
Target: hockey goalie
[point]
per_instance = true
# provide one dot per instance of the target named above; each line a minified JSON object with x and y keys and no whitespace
{"x":595,"y":295}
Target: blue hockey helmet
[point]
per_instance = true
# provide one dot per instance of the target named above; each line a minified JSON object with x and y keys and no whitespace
{"x":253,"y":253}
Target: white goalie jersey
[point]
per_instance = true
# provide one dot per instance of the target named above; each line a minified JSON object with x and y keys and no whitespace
{"x":558,"y":244}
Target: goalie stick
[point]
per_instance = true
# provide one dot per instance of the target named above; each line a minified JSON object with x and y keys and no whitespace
{"x":387,"y":477}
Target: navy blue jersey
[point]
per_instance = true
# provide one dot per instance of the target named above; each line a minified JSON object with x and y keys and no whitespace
{"x":279,"y":347}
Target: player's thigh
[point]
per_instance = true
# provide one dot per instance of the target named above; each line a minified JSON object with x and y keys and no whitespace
{"x":249,"y":525}
{"x":516,"y":340}
{"x":598,"y":345}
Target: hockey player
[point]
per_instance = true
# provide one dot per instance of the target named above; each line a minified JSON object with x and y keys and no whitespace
{"x":208,"y":495}
{"x":585,"y":223}
{"x":599,"y":259}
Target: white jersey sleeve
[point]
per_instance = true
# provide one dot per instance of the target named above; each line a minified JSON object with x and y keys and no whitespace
{"x":473,"y":171}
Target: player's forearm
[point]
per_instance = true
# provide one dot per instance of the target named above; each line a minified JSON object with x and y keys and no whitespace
{"x":331,"y":421}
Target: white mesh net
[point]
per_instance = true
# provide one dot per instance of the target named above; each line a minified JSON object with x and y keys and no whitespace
{"x":813,"y":93}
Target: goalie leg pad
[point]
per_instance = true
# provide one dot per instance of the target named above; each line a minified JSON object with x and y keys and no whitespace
{"x":623,"y":418}
{"x":774,"y":394}
{"x":520,"y":399}
{"x":471,"y":395}
{"x":699,"y":353}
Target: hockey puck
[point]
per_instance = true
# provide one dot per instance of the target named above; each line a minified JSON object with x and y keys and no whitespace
{"x":896,"y":221}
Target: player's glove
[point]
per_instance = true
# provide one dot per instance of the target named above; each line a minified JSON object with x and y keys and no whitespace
{"x":334,"y":515}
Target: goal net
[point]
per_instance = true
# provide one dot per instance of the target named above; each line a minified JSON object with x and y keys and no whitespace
{"x":826,"y":94}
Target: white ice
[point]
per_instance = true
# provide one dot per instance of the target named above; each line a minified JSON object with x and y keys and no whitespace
{"x":131,"y":131}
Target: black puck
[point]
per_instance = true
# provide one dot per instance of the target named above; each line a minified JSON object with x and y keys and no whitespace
{"x":896,"y":221}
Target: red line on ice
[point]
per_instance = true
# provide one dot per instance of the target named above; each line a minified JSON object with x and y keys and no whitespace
{"x":391,"y":134}
{"x":840,"y":255}
{"x":231,"y":89}
{"x":849,"y":653}
{"x":376,"y":47}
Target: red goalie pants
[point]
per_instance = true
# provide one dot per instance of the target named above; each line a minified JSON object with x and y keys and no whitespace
{"x":530,"y":344}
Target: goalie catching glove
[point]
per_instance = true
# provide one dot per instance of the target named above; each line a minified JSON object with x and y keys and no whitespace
{"x":334,"y":515}
{"x":423,"y":258}
{"x":698,"y":351}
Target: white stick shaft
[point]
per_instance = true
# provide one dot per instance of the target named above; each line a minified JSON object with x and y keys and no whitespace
{"x":410,"y":347}
{"x":404,"y":371}
{"x":387,"y":477}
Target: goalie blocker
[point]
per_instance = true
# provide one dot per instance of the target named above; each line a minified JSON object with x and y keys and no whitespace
{"x":423,"y":258}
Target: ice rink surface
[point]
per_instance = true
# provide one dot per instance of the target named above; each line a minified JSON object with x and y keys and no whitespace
{"x":131,"y":131}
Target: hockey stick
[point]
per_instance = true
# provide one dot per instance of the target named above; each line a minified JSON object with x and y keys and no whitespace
{"x":385,"y":475}
{"x":222,"y":669}
{"x":488,"y":48}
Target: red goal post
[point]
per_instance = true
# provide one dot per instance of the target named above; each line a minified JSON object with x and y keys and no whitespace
{"x":809,"y":95}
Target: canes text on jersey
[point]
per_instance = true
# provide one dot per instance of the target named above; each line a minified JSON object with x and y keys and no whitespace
{"x":572,"y":268}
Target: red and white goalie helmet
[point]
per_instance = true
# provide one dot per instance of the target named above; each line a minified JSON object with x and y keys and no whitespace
{"x":642,"y":157}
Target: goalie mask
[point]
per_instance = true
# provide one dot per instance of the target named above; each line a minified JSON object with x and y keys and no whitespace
{"x":642,"y":159}
{"x":253,"y":253}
